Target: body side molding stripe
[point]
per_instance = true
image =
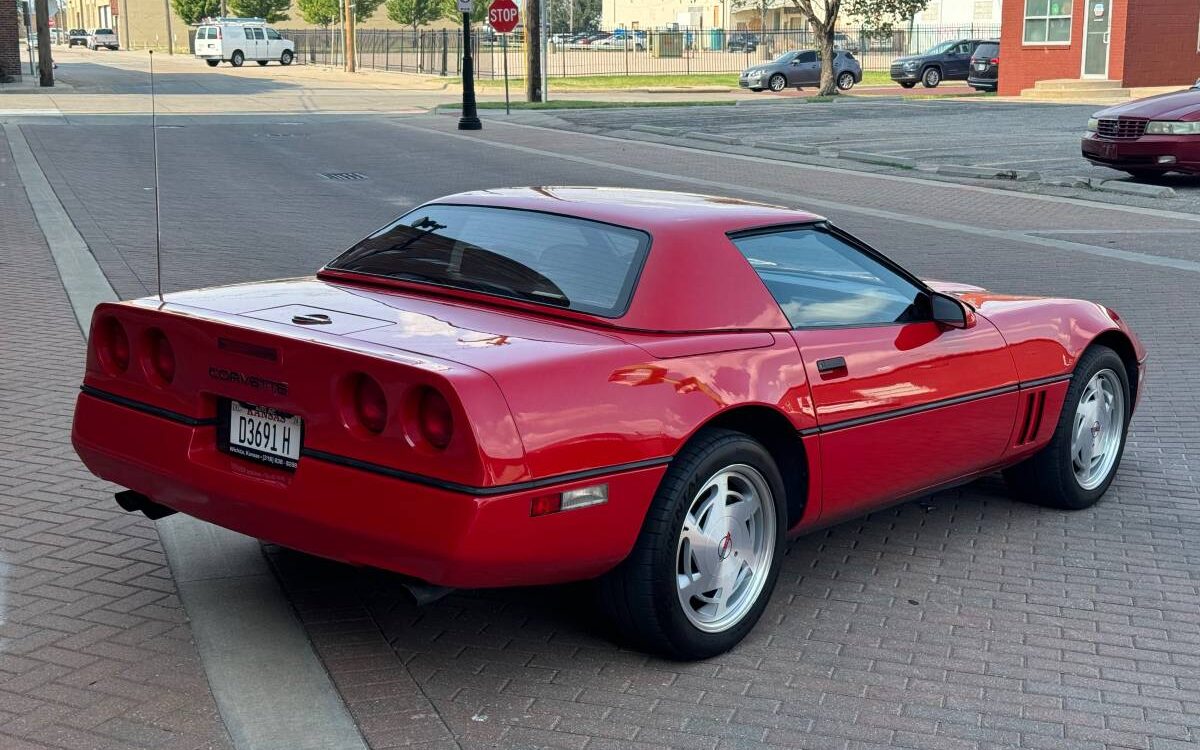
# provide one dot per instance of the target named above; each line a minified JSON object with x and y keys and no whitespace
{"x":141,"y":406}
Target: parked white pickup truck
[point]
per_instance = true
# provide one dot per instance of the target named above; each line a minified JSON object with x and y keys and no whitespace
{"x":102,"y":38}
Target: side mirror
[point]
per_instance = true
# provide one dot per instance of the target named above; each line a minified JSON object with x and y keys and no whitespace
{"x":950,"y":311}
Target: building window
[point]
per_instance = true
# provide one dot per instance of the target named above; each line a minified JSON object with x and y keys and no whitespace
{"x":1047,"y":21}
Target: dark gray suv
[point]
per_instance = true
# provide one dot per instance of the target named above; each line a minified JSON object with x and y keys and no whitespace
{"x":799,"y":68}
{"x":946,"y":61}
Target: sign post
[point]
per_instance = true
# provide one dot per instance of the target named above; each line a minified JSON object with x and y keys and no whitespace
{"x":503,"y":16}
{"x":470,"y":115}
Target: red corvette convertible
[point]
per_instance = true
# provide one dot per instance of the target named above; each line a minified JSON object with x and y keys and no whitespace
{"x":539,"y":385}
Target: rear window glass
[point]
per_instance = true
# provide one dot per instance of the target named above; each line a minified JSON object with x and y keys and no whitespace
{"x":987,"y":50}
{"x":534,"y":257}
{"x":103,"y":31}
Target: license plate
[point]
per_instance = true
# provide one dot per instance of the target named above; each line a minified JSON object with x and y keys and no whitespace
{"x":261,"y":433}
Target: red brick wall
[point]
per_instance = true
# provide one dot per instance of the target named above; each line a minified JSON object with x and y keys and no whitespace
{"x":10,"y":56}
{"x":1162,"y":40}
{"x":1151,"y":43}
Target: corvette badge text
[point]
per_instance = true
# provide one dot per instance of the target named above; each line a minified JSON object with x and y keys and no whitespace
{"x":254,"y":381}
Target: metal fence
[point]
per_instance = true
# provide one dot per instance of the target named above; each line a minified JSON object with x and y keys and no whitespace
{"x":664,"y":52}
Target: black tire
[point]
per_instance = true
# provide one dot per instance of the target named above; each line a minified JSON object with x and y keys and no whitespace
{"x":213,"y":63}
{"x":261,"y":62}
{"x":777,"y":82}
{"x":756,"y":90}
{"x":845,"y":80}
{"x":1143,"y":174}
{"x":908,"y":84}
{"x":931,"y":77}
{"x":237,"y":58}
{"x":641,"y":594}
{"x":1047,"y":477}
{"x":287,"y":57}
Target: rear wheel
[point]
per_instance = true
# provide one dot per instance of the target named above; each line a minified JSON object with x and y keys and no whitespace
{"x":931,"y":78}
{"x":213,"y":63}
{"x":237,"y":58}
{"x":1077,"y":466}
{"x":908,"y":84}
{"x":709,"y":552}
{"x":845,"y":81}
{"x":287,"y":57}
{"x":777,"y":82}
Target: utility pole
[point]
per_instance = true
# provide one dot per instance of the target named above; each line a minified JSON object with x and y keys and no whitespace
{"x":470,"y":116}
{"x":533,"y":50}
{"x":167,"y":14}
{"x":350,"y":42}
{"x":45,"y":60}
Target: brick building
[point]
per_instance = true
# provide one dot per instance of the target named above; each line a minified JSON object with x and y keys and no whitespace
{"x":1134,"y":42}
{"x":10,"y":52}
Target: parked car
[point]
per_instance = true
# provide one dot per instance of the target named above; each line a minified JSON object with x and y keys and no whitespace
{"x":239,"y":40}
{"x":77,"y":38}
{"x":742,"y":43}
{"x":985,"y":67}
{"x":947,"y":61}
{"x":620,"y":43}
{"x":1148,"y":137}
{"x":533,"y":385}
{"x":800,"y":68}
{"x":102,"y":38}
{"x":843,"y":41}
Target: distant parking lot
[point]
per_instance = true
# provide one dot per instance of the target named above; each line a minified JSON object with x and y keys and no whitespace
{"x":1008,"y":135}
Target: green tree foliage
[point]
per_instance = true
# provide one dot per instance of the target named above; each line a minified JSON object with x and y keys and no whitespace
{"x":319,"y":12}
{"x":271,"y":10}
{"x":586,"y":15}
{"x":879,"y":17}
{"x":192,"y":11}
{"x":418,"y":13}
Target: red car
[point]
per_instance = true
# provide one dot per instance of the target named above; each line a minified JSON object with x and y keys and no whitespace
{"x":1148,"y":137}
{"x":537,"y":385}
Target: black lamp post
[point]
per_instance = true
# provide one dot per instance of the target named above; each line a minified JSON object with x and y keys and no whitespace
{"x":470,"y":116}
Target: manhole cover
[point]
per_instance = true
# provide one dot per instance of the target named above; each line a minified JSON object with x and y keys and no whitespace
{"x":344,"y":176}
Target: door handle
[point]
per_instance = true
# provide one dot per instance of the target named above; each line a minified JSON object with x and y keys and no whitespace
{"x":831,"y":366}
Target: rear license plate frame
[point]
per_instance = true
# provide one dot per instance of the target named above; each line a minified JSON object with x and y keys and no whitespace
{"x":225,"y":414}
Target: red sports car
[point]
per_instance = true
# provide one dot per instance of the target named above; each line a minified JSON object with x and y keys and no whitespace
{"x":537,"y":385}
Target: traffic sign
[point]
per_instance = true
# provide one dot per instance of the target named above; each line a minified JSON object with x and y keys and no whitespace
{"x":464,"y":6}
{"x":503,"y":15}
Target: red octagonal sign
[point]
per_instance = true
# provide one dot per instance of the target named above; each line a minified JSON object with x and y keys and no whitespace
{"x":503,"y":15}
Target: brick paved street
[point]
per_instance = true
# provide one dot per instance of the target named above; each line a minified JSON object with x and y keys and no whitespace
{"x":965,"y":620}
{"x":95,"y":650}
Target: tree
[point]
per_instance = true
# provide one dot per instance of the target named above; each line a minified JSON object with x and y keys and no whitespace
{"x":418,"y":13}
{"x":574,"y":15}
{"x":822,"y":16}
{"x":192,"y":11}
{"x":319,"y":12}
{"x":879,"y":17}
{"x":272,"y":11}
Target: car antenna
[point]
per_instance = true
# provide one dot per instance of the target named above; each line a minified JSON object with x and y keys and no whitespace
{"x":157,"y":204}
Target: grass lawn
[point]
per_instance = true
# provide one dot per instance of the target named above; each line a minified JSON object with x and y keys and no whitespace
{"x":616,"y":83}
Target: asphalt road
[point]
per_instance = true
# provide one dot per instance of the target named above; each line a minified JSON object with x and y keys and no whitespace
{"x":966,"y":620}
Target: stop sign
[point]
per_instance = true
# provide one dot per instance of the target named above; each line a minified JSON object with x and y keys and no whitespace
{"x":503,"y":15}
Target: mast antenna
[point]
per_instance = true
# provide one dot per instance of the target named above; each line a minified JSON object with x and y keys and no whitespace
{"x":157,"y":204}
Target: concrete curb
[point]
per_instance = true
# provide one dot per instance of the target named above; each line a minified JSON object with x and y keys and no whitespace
{"x":728,"y":140}
{"x":1135,"y":188}
{"x":986,"y":173}
{"x":886,"y":160}
{"x":795,"y":148}
{"x":271,"y":690}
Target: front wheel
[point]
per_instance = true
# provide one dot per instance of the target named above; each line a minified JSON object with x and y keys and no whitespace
{"x":1078,"y":464}
{"x":845,"y":81}
{"x":777,"y":82}
{"x":709,"y":552}
{"x":931,"y":78}
{"x":237,"y":58}
{"x":286,"y":58}
{"x":1143,"y":174}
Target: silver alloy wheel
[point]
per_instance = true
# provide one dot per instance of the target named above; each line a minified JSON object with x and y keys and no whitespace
{"x":931,"y":78}
{"x":777,"y":82}
{"x":726,"y":548}
{"x":846,"y":81}
{"x":1097,"y":430}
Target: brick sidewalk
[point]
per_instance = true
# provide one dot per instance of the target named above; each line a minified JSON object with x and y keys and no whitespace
{"x":95,"y":648}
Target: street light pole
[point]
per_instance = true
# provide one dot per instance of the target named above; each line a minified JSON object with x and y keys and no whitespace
{"x":470,"y":116}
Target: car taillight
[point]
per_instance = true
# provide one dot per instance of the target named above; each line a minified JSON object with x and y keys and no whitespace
{"x":434,"y":418}
{"x":370,"y":404}
{"x":113,"y":345}
{"x":994,"y":61}
{"x":160,"y":356}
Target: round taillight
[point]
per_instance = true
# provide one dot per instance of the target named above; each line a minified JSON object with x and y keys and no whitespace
{"x":161,"y":356}
{"x":370,"y":404}
{"x":113,"y":345}
{"x":434,"y":418}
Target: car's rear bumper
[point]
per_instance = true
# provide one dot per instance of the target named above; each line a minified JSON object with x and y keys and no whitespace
{"x":982,"y":84}
{"x":357,"y":515}
{"x":1145,"y":152}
